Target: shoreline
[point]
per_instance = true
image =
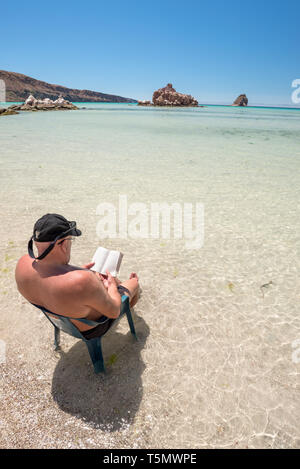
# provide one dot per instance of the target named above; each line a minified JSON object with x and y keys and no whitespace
{"x":257,"y":106}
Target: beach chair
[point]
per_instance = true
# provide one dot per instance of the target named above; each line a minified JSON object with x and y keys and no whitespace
{"x":63,"y":323}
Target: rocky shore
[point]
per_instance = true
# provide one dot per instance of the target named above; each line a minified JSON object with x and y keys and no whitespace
{"x":168,"y":96}
{"x":33,"y":104}
{"x":7,"y":112}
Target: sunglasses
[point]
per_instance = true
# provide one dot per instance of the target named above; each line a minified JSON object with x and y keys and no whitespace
{"x":72,"y":239}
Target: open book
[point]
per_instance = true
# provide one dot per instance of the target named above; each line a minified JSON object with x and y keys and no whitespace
{"x":107,"y":260}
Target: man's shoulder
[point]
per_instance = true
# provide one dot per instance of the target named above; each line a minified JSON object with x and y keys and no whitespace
{"x":24,"y":266}
{"x":77,"y":281}
{"x":77,"y":286}
{"x":24,"y":260}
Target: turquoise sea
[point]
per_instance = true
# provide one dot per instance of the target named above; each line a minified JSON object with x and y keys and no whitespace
{"x":220,"y":360}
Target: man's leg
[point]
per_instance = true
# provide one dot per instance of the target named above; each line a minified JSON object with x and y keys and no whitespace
{"x":133,"y":286}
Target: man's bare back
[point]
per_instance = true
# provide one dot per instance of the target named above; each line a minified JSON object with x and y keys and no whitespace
{"x":65,"y":289}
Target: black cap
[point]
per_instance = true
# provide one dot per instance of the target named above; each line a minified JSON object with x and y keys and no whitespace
{"x":50,"y":228}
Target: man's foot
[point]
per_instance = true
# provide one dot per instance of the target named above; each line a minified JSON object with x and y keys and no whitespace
{"x":134,"y":275}
{"x":136,"y":294}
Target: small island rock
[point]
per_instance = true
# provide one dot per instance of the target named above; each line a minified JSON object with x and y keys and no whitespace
{"x":241,"y":100}
{"x":168,"y":96}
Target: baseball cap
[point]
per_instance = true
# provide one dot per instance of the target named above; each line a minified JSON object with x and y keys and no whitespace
{"x":50,"y":228}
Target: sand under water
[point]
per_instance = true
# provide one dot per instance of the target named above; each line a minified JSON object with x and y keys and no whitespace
{"x":217,"y":364}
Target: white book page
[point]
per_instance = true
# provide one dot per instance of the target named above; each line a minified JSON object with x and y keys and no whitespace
{"x":112,"y":263}
{"x":99,"y":259}
{"x":107,"y":260}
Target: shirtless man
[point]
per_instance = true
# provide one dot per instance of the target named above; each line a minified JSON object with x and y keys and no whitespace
{"x":50,"y":281}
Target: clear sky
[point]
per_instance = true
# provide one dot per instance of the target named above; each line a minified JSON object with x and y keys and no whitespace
{"x":214,"y":49}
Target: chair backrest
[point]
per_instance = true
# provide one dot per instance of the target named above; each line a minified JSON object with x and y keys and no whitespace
{"x":65,"y":324}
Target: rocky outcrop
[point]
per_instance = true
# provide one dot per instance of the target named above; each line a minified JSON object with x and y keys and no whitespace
{"x":241,"y":100}
{"x":19,"y":86}
{"x":7,"y":112}
{"x":33,"y":104}
{"x":144,"y":103}
{"x":168,"y":96}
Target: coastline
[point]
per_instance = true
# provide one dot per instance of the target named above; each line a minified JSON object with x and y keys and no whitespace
{"x":79,"y":104}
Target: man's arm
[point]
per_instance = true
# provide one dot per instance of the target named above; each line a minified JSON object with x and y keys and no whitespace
{"x":88,"y":266}
{"x":105,"y":299}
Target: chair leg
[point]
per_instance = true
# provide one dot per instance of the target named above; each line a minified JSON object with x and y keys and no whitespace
{"x":95,"y":351}
{"x":56,"y":338}
{"x":130,"y":322}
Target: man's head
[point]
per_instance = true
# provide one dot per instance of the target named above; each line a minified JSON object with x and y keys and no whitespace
{"x":53,"y":232}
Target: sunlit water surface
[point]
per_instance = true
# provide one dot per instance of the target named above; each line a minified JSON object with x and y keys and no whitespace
{"x":221,"y":358}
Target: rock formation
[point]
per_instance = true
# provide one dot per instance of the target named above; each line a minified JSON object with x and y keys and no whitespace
{"x":241,"y":100}
{"x":7,"y":111}
{"x":19,"y":86}
{"x":168,"y":96}
{"x":33,"y":104}
{"x":144,"y":103}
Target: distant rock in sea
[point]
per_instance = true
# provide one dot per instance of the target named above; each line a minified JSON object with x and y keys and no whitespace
{"x":168,"y":96}
{"x":241,"y":100}
{"x":144,"y":103}
{"x":33,"y":104}
{"x":19,"y":86}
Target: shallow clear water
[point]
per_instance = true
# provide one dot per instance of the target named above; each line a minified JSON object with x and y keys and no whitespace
{"x":221,"y":360}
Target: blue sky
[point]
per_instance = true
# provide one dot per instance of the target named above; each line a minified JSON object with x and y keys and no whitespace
{"x":214,"y":50}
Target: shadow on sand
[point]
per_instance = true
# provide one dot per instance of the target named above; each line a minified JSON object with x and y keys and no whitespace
{"x":108,"y":401}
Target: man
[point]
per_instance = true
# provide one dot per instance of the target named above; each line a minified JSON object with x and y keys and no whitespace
{"x":50,"y":281}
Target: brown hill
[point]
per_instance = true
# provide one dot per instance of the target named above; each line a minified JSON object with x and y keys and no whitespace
{"x":19,"y":87}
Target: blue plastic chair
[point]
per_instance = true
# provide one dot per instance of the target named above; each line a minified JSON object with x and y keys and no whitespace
{"x":63,"y":323}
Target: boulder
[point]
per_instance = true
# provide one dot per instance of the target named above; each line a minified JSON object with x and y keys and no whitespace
{"x":7,"y":112}
{"x":241,"y":100}
{"x":168,"y":96}
{"x":61,"y":100}
{"x":144,"y":103}
{"x":31,"y":101}
{"x":14,"y":107}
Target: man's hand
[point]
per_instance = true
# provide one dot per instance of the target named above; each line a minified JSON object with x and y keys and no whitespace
{"x":108,"y":280}
{"x":111,"y":281}
{"x":106,"y":300}
{"x":103,"y":279}
{"x":88,"y":266}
